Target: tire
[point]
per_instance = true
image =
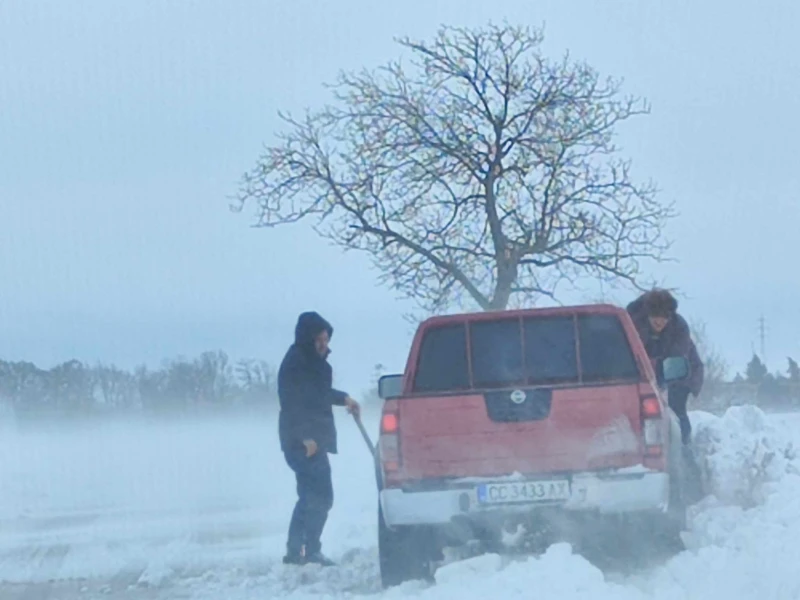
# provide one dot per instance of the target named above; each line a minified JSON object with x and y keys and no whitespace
{"x":669,"y":526}
{"x":693,"y":484}
{"x":405,"y":553}
{"x":673,"y":523}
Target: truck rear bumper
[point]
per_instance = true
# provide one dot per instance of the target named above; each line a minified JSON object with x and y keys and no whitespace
{"x":603,"y":493}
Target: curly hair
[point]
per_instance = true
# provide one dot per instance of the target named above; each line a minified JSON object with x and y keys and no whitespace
{"x":660,"y":303}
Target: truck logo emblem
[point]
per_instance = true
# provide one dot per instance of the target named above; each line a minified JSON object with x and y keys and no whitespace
{"x":518,"y":396}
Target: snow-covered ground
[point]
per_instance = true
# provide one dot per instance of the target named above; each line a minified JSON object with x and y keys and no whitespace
{"x":199,"y":510}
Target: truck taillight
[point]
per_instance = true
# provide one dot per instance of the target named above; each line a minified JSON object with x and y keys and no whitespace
{"x":651,"y":407}
{"x":389,"y":423}
{"x":652,"y":426}
{"x":390,"y":441}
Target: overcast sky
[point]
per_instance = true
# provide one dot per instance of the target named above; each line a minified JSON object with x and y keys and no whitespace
{"x":125,"y":126}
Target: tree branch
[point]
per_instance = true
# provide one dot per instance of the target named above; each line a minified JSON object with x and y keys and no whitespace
{"x":480,"y":173}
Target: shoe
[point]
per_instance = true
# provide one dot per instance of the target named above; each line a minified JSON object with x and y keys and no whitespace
{"x":294,"y":559}
{"x":318,"y":558}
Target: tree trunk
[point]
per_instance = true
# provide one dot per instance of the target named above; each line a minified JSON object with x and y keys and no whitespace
{"x":506,"y":276}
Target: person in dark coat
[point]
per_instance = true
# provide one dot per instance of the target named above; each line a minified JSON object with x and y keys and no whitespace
{"x":308,"y":433}
{"x":666,"y":333}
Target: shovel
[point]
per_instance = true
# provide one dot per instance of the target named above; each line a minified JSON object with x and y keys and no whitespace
{"x":365,"y":435}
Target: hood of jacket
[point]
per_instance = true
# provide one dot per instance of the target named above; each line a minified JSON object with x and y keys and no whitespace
{"x":309,"y":326}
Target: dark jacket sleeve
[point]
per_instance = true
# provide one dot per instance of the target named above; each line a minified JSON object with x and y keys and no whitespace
{"x":685,"y":346}
{"x":697,"y":376}
{"x":337,"y":397}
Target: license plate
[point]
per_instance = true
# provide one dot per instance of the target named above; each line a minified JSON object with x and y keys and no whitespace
{"x":548,"y":490}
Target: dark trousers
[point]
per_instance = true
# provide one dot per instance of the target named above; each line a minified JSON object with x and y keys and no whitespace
{"x":314,"y":501}
{"x":678,"y":397}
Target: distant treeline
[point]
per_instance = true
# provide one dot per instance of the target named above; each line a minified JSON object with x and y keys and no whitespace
{"x":212,"y":381}
{"x":755,"y":385}
{"x":181,"y":385}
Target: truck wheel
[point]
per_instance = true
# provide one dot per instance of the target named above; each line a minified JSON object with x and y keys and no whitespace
{"x":674,"y":522}
{"x":670,"y":525}
{"x":693,"y":484}
{"x":405,"y":553}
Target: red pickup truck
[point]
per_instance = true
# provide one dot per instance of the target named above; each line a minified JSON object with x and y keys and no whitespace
{"x":537,"y":419}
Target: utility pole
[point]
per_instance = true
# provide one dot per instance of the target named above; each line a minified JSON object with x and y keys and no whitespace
{"x":762,"y":337}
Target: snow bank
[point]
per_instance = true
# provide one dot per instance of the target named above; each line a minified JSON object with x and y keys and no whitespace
{"x":742,"y":452}
{"x":738,"y":553}
{"x":558,"y":573}
{"x":200,"y":512}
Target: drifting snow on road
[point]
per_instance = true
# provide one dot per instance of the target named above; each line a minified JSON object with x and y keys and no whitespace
{"x":200,"y":511}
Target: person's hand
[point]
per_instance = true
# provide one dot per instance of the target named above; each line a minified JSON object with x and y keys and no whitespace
{"x":311,"y":448}
{"x":353,"y":407}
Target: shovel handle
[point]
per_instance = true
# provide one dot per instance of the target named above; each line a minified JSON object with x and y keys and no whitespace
{"x":365,"y":435}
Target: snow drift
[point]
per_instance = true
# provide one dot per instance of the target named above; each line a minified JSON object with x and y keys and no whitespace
{"x":743,"y":451}
{"x":210,"y":521}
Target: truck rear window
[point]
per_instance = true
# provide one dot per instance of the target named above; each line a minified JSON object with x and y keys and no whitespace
{"x":442,"y":364}
{"x":529,"y":351}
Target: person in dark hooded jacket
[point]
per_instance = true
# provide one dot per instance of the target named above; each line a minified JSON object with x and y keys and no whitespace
{"x":308,"y":433}
{"x":665,"y":333}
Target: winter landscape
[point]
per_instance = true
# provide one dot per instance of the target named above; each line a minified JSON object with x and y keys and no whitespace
{"x":179,"y":181}
{"x":199,"y":510}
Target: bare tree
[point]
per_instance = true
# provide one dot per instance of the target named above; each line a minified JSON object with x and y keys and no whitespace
{"x":116,"y":387}
{"x":483,"y":172}
{"x":256,"y":378}
{"x":215,"y":376}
